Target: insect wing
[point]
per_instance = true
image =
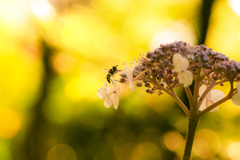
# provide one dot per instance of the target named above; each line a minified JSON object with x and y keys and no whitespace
{"x":105,"y":70}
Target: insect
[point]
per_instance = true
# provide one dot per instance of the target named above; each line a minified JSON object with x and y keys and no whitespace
{"x":111,"y":73}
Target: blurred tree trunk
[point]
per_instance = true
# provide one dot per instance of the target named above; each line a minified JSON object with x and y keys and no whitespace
{"x":36,"y":142}
{"x":204,"y":15}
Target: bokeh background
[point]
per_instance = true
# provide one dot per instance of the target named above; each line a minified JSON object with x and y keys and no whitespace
{"x":51,"y":56}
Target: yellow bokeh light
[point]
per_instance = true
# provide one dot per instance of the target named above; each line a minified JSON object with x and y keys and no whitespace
{"x":63,"y":63}
{"x":173,"y":140}
{"x":125,"y":148}
{"x":13,"y":12}
{"x":61,"y":152}
{"x":42,"y":9}
{"x":10,"y":122}
{"x":235,"y":6}
{"x":233,"y":151}
{"x":175,"y":31}
{"x":206,"y":143}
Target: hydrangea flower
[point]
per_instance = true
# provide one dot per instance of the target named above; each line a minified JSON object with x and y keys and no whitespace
{"x":110,"y":96}
{"x":212,"y":97}
{"x":238,"y":88}
{"x":180,"y":63}
{"x":129,"y":75}
{"x":236,"y":96}
{"x":185,"y":78}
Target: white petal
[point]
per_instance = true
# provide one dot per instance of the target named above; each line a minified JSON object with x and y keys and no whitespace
{"x":203,"y":105}
{"x":236,"y":99}
{"x":102,"y":92}
{"x":185,"y":78}
{"x":106,"y":85}
{"x":202,"y":89}
{"x":116,"y":99}
{"x":128,"y":73}
{"x":238,"y":88}
{"x":108,"y":103}
{"x":209,"y":103}
{"x":215,"y":95}
{"x":180,"y":63}
{"x":131,"y":85}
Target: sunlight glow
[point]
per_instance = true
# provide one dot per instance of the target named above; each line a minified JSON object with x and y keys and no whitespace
{"x":173,"y":140}
{"x":176,"y":31}
{"x":233,"y":151}
{"x":42,"y":9}
{"x":10,"y":122}
{"x":206,"y":143}
{"x":61,"y":152}
{"x":235,"y":6}
{"x":13,"y":12}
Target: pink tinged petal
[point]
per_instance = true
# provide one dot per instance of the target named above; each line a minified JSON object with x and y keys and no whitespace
{"x":185,"y":78}
{"x":238,"y":88}
{"x":130,"y":78}
{"x":106,"y":85}
{"x":108,"y":103}
{"x":236,"y":99}
{"x":214,"y":109}
{"x":216,"y":95}
{"x":116,"y":99}
{"x":203,"y":105}
{"x":128,"y":72}
{"x":180,"y":63}
{"x":102,"y":92}
{"x":209,"y":103}
{"x":202,"y":89}
{"x":131,"y":85}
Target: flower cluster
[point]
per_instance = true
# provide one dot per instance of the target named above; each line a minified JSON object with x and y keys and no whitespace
{"x":176,"y":64}
{"x":181,"y":65}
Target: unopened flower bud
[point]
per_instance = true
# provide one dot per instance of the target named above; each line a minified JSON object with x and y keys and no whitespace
{"x":147,"y":90}
{"x":166,"y":61}
{"x":149,"y":55}
{"x":139,"y":84}
{"x":121,"y":80}
{"x":123,"y":74}
{"x":146,"y":84}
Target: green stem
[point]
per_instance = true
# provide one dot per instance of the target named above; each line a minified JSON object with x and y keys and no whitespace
{"x":192,"y":126}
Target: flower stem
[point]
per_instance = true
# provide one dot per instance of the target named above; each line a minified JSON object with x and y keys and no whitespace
{"x":192,"y":126}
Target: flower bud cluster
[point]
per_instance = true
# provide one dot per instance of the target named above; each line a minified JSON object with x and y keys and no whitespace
{"x":157,"y":68}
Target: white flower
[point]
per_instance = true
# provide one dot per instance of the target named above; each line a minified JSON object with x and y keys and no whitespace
{"x":110,"y":96}
{"x":180,"y":63}
{"x":185,"y":77}
{"x":238,"y":88}
{"x":129,"y":74}
{"x":236,"y":97}
{"x":212,"y":97}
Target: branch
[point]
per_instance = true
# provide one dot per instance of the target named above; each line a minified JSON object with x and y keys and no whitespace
{"x":180,"y":103}
{"x":189,"y":95}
